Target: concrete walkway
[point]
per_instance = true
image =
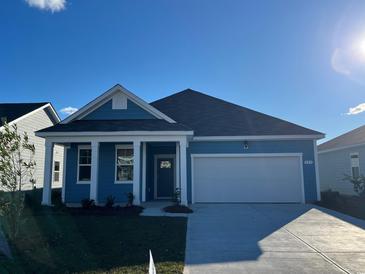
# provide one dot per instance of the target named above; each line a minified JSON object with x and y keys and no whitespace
{"x":248,"y":238}
{"x":155,"y":209}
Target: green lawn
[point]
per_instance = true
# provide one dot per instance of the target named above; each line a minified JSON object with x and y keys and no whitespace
{"x":54,"y":242}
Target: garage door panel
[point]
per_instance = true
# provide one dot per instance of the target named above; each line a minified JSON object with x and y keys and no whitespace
{"x":247,"y":179}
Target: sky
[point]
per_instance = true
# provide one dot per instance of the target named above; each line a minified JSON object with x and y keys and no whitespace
{"x":302,"y":61}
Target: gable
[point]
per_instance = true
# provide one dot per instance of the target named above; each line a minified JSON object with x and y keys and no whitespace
{"x":109,"y":111}
{"x":115,"y":104}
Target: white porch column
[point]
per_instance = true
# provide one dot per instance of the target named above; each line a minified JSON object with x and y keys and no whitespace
{"x":177,"y":164}
{"x":144,"y":164}
{"x":136,"y":171}
{"x":47,"y":181}
{"x":65,"y":148}
{"x":94,"y":171}
{"x":183,"y":173}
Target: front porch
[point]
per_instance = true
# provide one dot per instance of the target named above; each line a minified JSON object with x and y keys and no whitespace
{"x":150,"y":167}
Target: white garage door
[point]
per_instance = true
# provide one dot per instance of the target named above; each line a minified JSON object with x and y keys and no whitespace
{"x":254,"y":178}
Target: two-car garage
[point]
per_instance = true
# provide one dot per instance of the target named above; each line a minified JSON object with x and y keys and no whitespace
{"x":249,"y":178}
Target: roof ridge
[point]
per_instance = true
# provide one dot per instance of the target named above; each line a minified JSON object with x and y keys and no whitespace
{"x":229,"y":103}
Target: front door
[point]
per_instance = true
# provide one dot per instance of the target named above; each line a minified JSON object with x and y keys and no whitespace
{"x":164,"y":176}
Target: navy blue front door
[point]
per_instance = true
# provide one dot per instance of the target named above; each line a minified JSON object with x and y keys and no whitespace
{"x":165,"y":175}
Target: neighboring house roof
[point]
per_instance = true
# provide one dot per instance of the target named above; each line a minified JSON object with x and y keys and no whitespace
{"x":116,"y":125}
{"x":210,"y":116}
{"x":13,"y":112}
{"x":351,"y":138}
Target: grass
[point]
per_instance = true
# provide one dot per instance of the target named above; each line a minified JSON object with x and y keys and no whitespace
{"x":60,"y":242}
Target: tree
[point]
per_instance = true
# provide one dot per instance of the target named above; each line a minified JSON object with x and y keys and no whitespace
{"x":17,"y":167}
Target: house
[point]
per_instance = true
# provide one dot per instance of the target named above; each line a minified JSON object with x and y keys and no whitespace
{"x":212,"y":150}
{"x":29,"y":118}
{"x":339,"y":157}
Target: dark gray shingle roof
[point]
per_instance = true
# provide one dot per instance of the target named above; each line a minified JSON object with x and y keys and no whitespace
{"x":353,"y":137}
{"x":116,"y":125}
{"x":13,"y":111}
{"x":210,"y":116}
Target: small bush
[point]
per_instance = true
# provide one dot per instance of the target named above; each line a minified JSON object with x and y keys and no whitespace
{"x":358,"y":184}
{"x":130,"y":199}
{"x":87,"y":203}
{"x":176,"y":198}
{"x":32,"y":199}
{"x":57,"y":197}
{"x":110,"y":201}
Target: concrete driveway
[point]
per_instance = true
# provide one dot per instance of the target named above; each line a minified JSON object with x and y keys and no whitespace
{"x":268,"y":238}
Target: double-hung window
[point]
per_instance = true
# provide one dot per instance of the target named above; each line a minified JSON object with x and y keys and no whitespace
{"x":355,"y":165}
{"x":56,"y":171}
{"x":124,"y":164}
{"x":84,"y":164}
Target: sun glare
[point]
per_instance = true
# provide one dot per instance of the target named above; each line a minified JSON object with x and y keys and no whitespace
{"x":360,"y":48}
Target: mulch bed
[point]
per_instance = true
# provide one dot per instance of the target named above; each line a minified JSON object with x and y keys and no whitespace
{"x":177,"y":209}
{"x":99,"y":210}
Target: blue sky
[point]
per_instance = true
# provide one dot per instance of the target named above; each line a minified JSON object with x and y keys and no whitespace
{"x":302,"y":61}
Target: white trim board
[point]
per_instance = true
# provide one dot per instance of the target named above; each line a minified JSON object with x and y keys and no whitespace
{"x":251,"y":155}
{"x":114,"y":133}
{"x":48,"y":105}
{"x":318,"y":185}
{"x":119,"y":146}
{"x":91,"y":106}
{"x":340,"y":148}
{"x":257,"y":137}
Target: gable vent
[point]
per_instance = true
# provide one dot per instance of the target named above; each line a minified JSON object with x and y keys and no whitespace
{"x":119,"y":101}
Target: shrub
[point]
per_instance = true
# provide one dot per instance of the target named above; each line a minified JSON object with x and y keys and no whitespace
{"x":130,"y":199}
{"x":358,"y":184}
{"x":57,"y":197}
{"x":32,"y":199}
{"x":87,"y":203}
{"x":110,"y":201}
{"x":176,"y":198}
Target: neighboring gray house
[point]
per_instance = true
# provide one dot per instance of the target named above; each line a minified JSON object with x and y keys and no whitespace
{"x":342,"y":155}
{"x":30,"y":117}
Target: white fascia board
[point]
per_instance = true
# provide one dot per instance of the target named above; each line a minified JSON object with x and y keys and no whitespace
{"x":340,"y":148}
{"x":115,"y":139}
{"x":257,"y":137}
{"x":114,"y":133}
{"x":53,"y":112}
{"x":82,"y":112}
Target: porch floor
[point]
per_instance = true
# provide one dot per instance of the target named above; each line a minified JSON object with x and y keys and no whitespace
{"x":155,"y":209}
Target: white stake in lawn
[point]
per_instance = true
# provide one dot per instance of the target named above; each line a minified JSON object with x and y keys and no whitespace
{"x":152,"y":269}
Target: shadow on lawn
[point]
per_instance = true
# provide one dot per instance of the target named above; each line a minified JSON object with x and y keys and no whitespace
{"x":64,"y":243}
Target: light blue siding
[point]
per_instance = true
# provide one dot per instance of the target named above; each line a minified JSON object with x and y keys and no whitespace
{"x":106,"y":112}
{"x":74,"y":192}
{"x":106,"y":185}
{"x":106,"y":177}
{"x":335,"y":164}
{"x":305,"y":147}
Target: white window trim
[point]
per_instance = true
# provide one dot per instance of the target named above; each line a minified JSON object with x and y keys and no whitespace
{"x":116,"y":163}
{"x":58,"y":171}
{"x":358,"y":158}
{"x":78,"y":164}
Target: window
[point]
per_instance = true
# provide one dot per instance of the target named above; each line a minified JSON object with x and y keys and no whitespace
{"x":84,"y":164}
{"x":56,"y":171}
{"x":355,"y":165}
{"x":124,"y":163}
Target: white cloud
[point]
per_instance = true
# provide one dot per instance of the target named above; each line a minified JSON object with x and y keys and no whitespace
{"x":68,"y":110}
{"x":356,"y":110}
{"x":52,"y":5}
